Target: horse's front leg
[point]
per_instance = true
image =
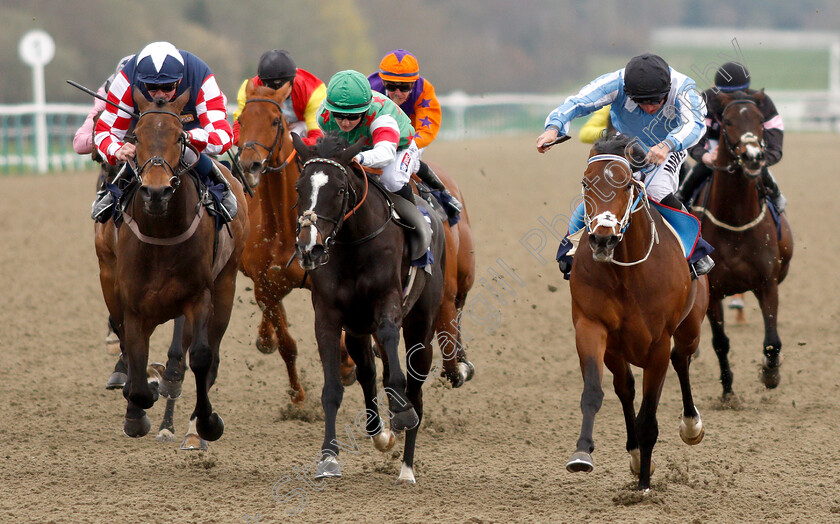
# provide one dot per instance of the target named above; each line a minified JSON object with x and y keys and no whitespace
{"x":359,"y":348}
{"x":328,"y":336}
{"x":172,"y":381}
{"x":388,"y":335}
{"x":591,"y":340}
{"x":720,"y":342}
{"x":647,"y":428}
{"x":204,"y":363}
{"x":768,"y":300}
{"x":140,"y":390}
{"x":625,"y":389}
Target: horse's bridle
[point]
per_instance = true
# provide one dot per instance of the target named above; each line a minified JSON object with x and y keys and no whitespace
{"x":157,"y":160}
{"x":609,"y":220}
{"x":738,"y":162}
{"x":309,"y":218}
{"x":276,"y":145}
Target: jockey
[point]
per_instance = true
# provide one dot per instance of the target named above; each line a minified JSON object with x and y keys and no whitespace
{"x":353,"y":111}
{"x":83,"y":139}
{"x":399,"y":79}
{"x":731,"y":77}
{"x":661,"y":108}
{"x":162,"y":71}
{"x":275,"y":69}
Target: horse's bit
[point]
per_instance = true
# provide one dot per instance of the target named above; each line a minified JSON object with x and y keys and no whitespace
{"x":277,"y":144}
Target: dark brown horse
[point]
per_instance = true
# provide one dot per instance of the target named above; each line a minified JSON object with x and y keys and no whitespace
{"x":749,"y":254}
{"x":631,"y":293}
{"x":363,"y":284}
{"x":165,"y":261}
{"x":266,"y":155}
{"x":460,"y":277}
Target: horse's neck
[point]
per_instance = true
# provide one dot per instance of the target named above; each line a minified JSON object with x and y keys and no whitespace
{"x":369,"y":216}
{"x":637,"y":237}
{"x":281,"y":187}
{"x":732,"y":196}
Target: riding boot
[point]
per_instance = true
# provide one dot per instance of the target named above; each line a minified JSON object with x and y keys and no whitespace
{"x":405,"y":192}
{"x":107,"y":198}
{"x":702,"y":266}
{"x":695,"y":178}
{"x":773,"y":191}
{"x":430,"y":178}
{"x":208,"y":170}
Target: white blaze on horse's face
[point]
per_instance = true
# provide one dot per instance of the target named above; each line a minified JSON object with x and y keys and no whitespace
{"x":319,"y":180}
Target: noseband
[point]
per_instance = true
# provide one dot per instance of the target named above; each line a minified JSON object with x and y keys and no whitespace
{"x":157,"y":160}
{"x":275,"y":146}
{"x":748,"y":136}
{"x":611,"y":221}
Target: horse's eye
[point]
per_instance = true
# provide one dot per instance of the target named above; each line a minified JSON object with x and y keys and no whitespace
{"x":276,"y":122}
{"x":341,"y":191}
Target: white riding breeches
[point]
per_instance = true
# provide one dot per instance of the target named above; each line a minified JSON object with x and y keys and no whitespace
{"x":396,"y":174}
{"x":663,"y":179}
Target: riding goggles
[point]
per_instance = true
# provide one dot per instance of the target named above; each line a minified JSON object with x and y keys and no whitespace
{"x":392,"y":86}
{"x":655,"y":100}
{"x":275,"y":83}
{"x":352,"y":117}
{"x":161,"y":87}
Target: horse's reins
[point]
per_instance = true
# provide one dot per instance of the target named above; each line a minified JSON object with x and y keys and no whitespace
{"x":175,"y":180}
{"x":265,"y":167}
{"x":609,"y":220}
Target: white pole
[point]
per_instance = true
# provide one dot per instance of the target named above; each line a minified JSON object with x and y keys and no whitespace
{"x":37,"y":49}
{"x":834,"y":84}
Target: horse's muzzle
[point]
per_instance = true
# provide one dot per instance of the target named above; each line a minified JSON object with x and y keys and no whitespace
{"x":312,"y":258}
{"x":602,"y":246}
{"x":752,"y":160}
{"x":156,"y":199}
{"x":252,"y":172}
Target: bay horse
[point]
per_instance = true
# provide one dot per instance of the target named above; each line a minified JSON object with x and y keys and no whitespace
{"x":169,"y":261}
{"x":750,"y":253}
{"x":266,"y":155}
{"x":362,"y":283}
{"x":631,"y":293}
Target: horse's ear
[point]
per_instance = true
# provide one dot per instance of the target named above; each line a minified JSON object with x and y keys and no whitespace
{"x":179,"y":103}
{"x":140,"y":101}
{"x":283,"y":93}
{"x":304,"y":152}
{"x":348,"y":154}
{"x":635,"y":153}
{"x":759,"y":97}
{"x":723,"y":99}
{"x":250,"y":88}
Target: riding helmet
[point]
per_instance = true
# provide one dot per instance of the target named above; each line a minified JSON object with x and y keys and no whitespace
{"x":647,"y":77}
{"x":159,"y":63}
{"x":732,"y":76}
{"x":276,"y":64}
{"x":348,"y":92}
{"x":399,"y":66}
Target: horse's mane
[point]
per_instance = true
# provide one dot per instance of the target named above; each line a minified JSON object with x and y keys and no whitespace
{"x":716,"y":108}
{"x":330,"y":145}
{"x":612,"y":144}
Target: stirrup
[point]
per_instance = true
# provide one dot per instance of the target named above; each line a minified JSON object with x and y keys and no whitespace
{"x":228,"y":205}
{"x":779,"y":202}
{"x":701,"y":267}
{"x":103,"y":207}
{"x":454,"y":203}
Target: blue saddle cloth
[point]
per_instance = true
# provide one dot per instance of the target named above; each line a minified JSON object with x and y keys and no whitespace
{"x":686,"y":225}
{"x":775,"y":214}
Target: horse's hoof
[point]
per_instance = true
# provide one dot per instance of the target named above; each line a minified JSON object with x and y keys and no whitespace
{"x":211,"y":428}
{"x":407,"y":419}
{"x":137,"y":427}
{"x":455,"y":378}
{"x":406,"y":477}
{"x":158,"y":368}
{"x":384,"y":440}
{"x":112,"y":344}
{"x":770,"y":375}
{"x":264,"y":348}
{"x":170,"y":389}
{"x":117,"y":380}
{"x":466,"y":370}
{"x":329,"y":467}
{"x":692,"y":430}
{"x":350,"y":378}
{"x":193,"y":442}
{"x":165,"y":435}
{"x":636,"y":462}
{"x":297,"y":396}
{"x":580,"y":461}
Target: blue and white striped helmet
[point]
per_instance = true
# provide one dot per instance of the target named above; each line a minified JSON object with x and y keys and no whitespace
{"x":159,"y":63}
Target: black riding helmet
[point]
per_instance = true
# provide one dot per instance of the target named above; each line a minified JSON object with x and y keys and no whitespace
{"x":732,"y":76}
{"x":276,"y":64}
{"x":647,"y":78}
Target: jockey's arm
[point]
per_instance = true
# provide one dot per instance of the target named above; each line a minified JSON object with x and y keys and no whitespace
{"x":310,"y":115}
{"x":215,"y":135}
{"x":386,"y":136}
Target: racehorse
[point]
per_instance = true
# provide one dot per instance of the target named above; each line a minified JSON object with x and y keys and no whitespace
{"x":266,"y":155}
{"x":359,"y":263}
{"x":751,"y":254}
{"x":631,"y":293}
{"x":165,"y":261}
{"x":460,"y":277}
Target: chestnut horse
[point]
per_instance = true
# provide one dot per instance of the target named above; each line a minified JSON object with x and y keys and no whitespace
{"x":165,"y":261}
{"x":631,"y":293}
{"x":266,"y":155}
{"x":750,"y":253}
{"x":363,"y":284}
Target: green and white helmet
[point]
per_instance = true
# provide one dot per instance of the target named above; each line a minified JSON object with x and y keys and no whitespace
{"x":348,"y":92}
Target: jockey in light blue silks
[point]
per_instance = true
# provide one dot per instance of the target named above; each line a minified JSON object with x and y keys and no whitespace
{"x":663,"y":110}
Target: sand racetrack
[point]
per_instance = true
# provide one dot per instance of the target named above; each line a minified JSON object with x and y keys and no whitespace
{"x":492,"y":451}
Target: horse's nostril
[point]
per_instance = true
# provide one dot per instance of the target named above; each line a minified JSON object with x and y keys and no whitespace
{"x":317,"y":251}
